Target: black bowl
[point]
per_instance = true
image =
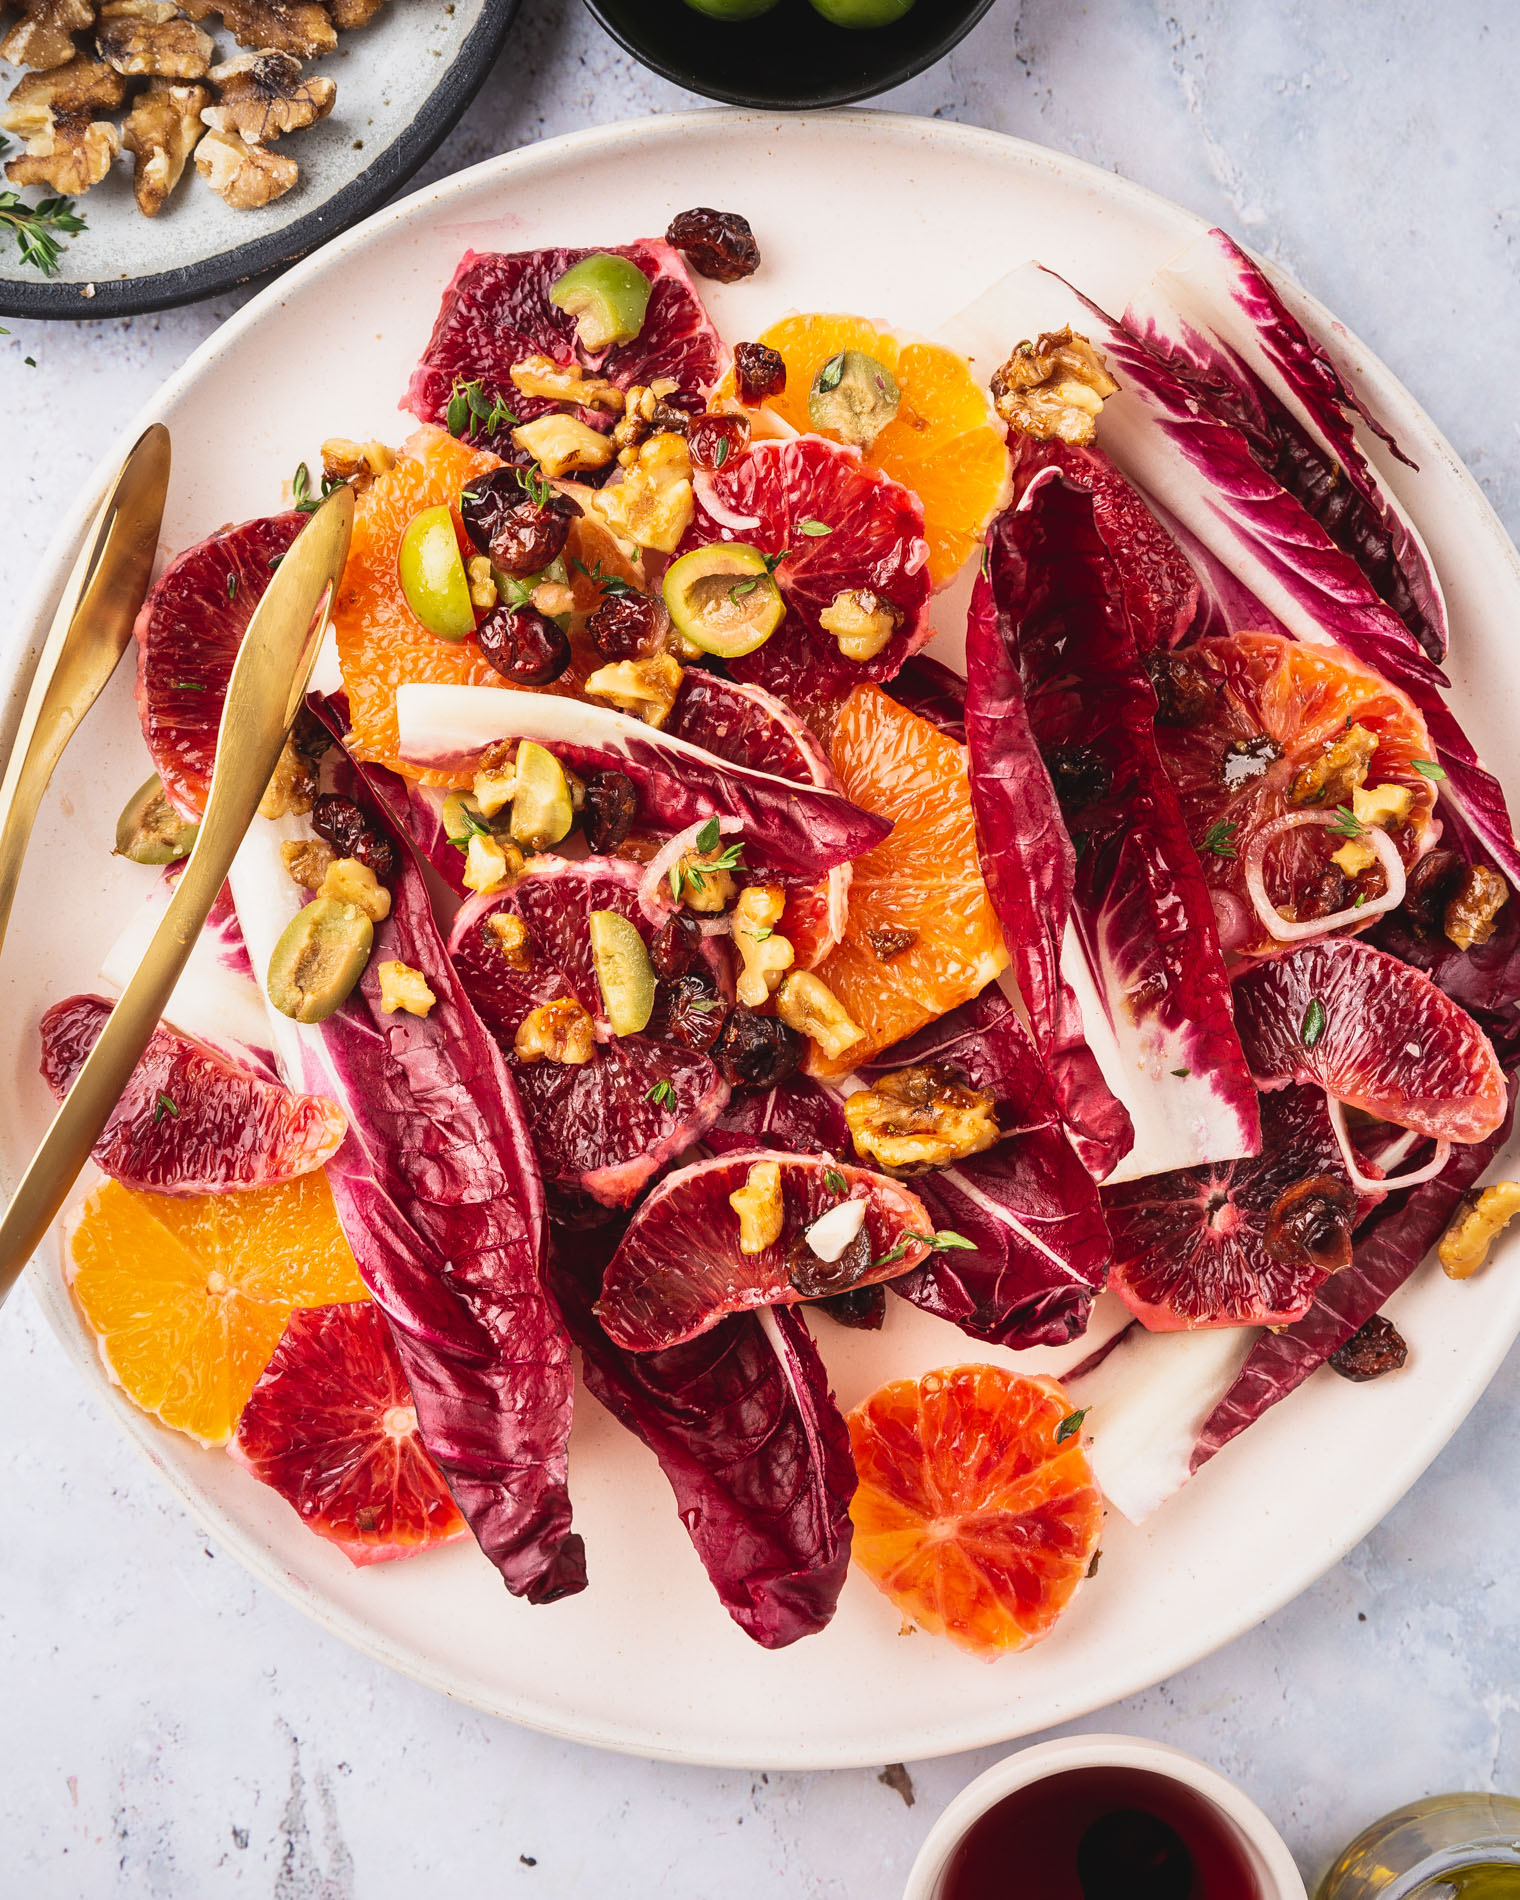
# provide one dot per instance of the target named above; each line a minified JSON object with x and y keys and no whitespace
{"x":790,"y":57}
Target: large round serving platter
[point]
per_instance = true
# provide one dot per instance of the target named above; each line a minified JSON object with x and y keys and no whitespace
{"x":892,"y":217}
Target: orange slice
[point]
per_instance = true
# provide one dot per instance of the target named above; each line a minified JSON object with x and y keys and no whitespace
{"x":977,"y":1512}
{"x":187,"y":1295}
{"x":945,"y":443}
{"x":924,"y":878}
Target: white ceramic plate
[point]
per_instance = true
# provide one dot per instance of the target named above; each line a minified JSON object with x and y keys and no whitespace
{"x":894,"y":217}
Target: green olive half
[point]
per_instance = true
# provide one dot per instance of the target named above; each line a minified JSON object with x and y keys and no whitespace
{"x":320,"y":956}
{"x":433,"y":577}
{"x":723,"y":598}
{"x":853,"y":397}
{"x":731,"y":9}
{"x":623,"y":971}
{"x":543,"y":811}
{"x":607,"y":296}
{"x":150,"y":830}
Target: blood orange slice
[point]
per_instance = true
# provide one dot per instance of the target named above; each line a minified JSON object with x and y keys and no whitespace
{"x":976,"y":1513}
{"x":190,"y":1121}
{"x":1261,"y":736}
{"x":842,"y":527}
{"x":189,"y":630}
{"x":1375,"y":1034}
{"x":748,"y":726}
{"x":604,"y":1127}
{"x":331,"y":1426}
{"x":1238,"y":1243}
{"x":496,"y":312}
{"x":681,"y":1266}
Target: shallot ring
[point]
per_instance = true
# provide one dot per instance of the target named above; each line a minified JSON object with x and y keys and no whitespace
{"x":1295,"y":930}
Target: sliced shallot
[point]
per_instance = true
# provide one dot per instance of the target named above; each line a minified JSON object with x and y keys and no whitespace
{"x":1295,"y":930}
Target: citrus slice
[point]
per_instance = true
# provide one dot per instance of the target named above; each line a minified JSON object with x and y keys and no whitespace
{"x":331,"y":1426}
{"x":976,"y":1513}
{"x":187,"y":1295}
{"x":1260,"y":735}
{"x":921,"y":936}
{"x":944,"y":443}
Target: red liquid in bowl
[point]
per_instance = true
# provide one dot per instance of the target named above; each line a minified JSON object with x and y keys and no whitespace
{"x":1102,"y":1834}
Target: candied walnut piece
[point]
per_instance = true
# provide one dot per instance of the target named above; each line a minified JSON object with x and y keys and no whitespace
{"x":65,"y":148}
{"x":647,"y":407}
{"x":560,"y":1031}
{"x":1310,"y":1224}
{"x":402,"y":987}
{"x":491,"y":863}
{"x":890,"y":940}
{"x":861,"y":621}
{"x":1473,"y":909}
{"x":920,"y":1117}
{"x":308,"y":861}
{"x":292,"y":790}
{"x":351,"y":882}
{"x":1480,"y":1218}
{"x":759,"y":371}
{"x":161,"y":131}
{"x":263,"y":96}
{"x":645,"y":688}
{"x":43,"y":38}
{"x":717,"y":244}
{"x":764,"y":954}
{"x":652,"y":506}
{"x":1338,"y":772}
{"x":298,"y":27}
{"x":608,"y":811}
{"x":807,"y":1004}
{"x":754,"y":1051}
{"x":1053,"y":388}
{"x":243,"y":176}
{"x":151,"y":39}
{"x":508,"y":934}
{"x":565,"y":382}
{"x":1374,"y":1348}
{"x":759,"y":1207}
{"x":357,"y":463}
{"x":562,"y":445}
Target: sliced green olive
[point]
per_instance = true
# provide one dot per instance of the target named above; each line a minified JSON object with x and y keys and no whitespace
{"x":543,"y":810}
{"x":319,"y":958}
{"x":854,"y":398}
{"x":623,"y":970}
{"x":859,"y":13}
{"x":723,"y":598}
{"x":608,"y":298}
{"x":462,"y":817}
{"x":433,"y":579}
{"x":150,"y":830}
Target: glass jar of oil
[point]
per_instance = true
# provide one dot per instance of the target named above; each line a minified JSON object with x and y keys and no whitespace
{"x":1448,"y":1847}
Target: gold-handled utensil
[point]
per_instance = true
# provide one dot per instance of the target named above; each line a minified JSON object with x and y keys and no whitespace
{"x":91,"y":630}
{"x":263,"y":697}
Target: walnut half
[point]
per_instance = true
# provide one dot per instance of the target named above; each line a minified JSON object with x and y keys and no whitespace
{"x":151,"y":39}
{"x":263,"y":95}
{"x":245,"y":176}
{"x":65,"y":148}
{"x":298,"y":27}
{"x":43,"y":38}
{"x":1053,"y":387}
{"x":161,"y":131}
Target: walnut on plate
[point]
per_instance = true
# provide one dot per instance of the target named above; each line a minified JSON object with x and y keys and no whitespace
{"x":262,"y":96}
{"x":151,"y":39}
{"x":66,"y":148}
{"x":43,"y":38}
{"x":299,"y":27}
{"x":347,"y":14}
{"x":245,"y":176}
{"x":161,"y":131}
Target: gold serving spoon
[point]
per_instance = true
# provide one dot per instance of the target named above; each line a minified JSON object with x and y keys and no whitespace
{"x":263,"y":697}
{"x":91,"y":630}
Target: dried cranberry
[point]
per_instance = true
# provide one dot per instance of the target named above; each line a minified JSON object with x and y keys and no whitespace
{"x":756,"y":1052}
{"x":1320,"y":893}
{"x":628,"y":626}
{"x":716,"y":244}
{"x":530,"y":535}
{"x":340,"y":821}
{"x":485,"y":500}
{"x":523,"y":645}
{"x":717,"y":439}
{"x":608,"y":811}
{"x":817,"y":1279}
{"x":695,"y":1012}
{"x":1430,"y":887}
{"x":890,"y":940}
{"x":1310,"y":1223}
{"x":759,"y":371}
{"x":677,"y":947}
{"x":1185,"y":694}
{"x":1079,"y":776}
{"x":1374,"y":1348}
{"x":863,"y":1309}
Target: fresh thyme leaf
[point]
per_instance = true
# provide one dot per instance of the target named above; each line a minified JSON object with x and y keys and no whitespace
{"x":663,"y":1094}
{"x":831,"y":375}
{"x":188,"y":686}
{"x":275,"y":562}
{"x":1427,"y":768}
{"x":707,"y":837}
{"x":1313,"y":1026}
{"x":721,"y":452}
{"x":540,"y":493}
{"x":1070,"y":1425}
{"x":834,"y":1181}
{"x":986,"y":562}
{"x":737,"y":592}
{"x":813,"y":529}
{"x":474,"y":827}
{"x":1182,"y":1074}
{"x":610,"y":584}
{"x":705,"y":1005}
{"x":456,"y":414}
{"x":945,"y":1241}
{"x":1347,"y":824}
{"x":762,"y":935}
{"x":33,"y":226}
{"x":300,"y":488}
{"x":1217,"y":839}
{"x":165,"y":1105}
{"x":773,"y":561}
{"x":677,"y":878}
{"x":1358,"y":901}
{"x":232,"y":586}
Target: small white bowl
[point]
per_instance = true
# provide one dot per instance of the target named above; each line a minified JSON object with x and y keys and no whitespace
{"x":1270,"y":1860}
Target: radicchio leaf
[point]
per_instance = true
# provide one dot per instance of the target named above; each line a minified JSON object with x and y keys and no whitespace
{"x":439,"y":1195}
{"x":799,"y":1115}
{"x":1214,"y":318}
{"x":1029,"y":1206}
{"x":1096,"y":884}
{"x":747,"y":1432}
{"x":933,"y":692}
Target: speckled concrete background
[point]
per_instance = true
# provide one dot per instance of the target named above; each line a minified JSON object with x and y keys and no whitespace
{"x":168,"y":1729}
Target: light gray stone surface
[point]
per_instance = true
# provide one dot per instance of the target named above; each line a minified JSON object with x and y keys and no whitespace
{"x":169,"y":1729}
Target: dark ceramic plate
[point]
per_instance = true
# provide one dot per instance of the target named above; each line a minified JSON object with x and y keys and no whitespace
{"x":790,"y":57}
{"x":403,"y":82}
